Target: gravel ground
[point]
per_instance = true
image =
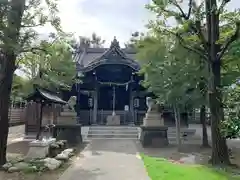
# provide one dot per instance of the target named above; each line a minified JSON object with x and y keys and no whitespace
{"x":232,"y":143}
{"x":200,"y":155}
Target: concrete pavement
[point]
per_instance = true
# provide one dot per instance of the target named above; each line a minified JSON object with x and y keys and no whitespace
{"x":108,"y":160}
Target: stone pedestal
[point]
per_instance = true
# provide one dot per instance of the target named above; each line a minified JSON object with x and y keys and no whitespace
{"x":39,"y":148}
{"x":70,"y":133}
{"x":153,"y":119}
{"x":113,"y":120}
{"x":153,"y":132}
{"x":154,"y":136}
{"x":67,"y":117}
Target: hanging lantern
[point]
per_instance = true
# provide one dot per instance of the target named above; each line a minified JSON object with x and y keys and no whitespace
{"x":136,"y":103}
{"x":90,"y":102}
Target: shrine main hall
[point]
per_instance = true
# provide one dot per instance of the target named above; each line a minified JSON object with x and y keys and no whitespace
{"x":110,"y":86}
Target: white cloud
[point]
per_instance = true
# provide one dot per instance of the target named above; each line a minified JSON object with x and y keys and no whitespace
{"x":74,"y":20}
{"x":84,"y":17}
{"x":108,"y":18}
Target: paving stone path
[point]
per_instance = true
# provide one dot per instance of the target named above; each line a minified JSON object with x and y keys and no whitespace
{"x":108,"y":160}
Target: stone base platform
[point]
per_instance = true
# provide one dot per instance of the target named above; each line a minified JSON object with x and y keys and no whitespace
{"x":39,"y":148}
{"x":71,"y":133}
{"x":113,"y":120}
{"x":154,"y":136}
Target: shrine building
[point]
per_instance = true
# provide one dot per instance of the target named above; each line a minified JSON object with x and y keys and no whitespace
{"x":110,"y":85}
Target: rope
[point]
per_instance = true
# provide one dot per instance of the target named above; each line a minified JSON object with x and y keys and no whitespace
{"x":114,"y":83}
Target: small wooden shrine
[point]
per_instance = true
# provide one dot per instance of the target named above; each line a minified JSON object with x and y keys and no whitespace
{"x":42,"y":110}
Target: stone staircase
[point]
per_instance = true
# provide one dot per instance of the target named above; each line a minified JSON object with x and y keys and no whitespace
{"x":132,"y":132}
{"x":113,"y":132}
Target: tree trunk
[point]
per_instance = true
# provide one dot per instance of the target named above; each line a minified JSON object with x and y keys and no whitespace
{"x":178,"y":127}
{"x":7,"y":67}
{"x":6,"y":71}
{"x":204,"y":126}
{"x":219,"y":146}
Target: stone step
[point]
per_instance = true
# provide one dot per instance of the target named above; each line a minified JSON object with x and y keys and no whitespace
{"x":172,"y":140}
{"x":113,"y":128}
{"x":123,"y":136}
{"x":113,"y":132}
{"x":113,"y":138}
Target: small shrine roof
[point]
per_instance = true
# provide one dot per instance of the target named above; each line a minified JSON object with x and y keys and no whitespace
{"x":46,"y":95}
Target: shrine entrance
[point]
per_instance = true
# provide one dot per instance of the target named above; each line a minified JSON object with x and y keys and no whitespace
{"x":113,"y":98}
{"x":113,"y":92}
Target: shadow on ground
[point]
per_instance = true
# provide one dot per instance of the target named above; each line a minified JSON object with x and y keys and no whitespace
{"x":116,"y":146}
{"x":201,"y":155}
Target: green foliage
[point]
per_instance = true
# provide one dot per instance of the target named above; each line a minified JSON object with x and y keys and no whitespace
{"x":170,"y":71}
{"x":56,"y":67}
{"x":18,"y":31}
{"x":133,"y":40}
{"x":230,"y":127}
{"x":94,"y":41}
{"x":18,"y":86}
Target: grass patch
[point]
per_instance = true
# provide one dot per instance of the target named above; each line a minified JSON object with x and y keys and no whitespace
{"x":162,"y":169}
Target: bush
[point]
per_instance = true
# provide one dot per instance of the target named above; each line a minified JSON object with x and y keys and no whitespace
{"x":230,"y":127}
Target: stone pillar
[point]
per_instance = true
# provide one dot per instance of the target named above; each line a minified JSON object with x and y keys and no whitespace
{"x":95,"y":106}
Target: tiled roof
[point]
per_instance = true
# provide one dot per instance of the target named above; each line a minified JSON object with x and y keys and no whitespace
{"x":44,"y":94}
{"x":85,"y":57}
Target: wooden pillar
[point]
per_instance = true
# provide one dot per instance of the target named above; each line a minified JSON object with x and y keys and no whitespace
{"x":95,"y":105}
{"x":131,"y":106}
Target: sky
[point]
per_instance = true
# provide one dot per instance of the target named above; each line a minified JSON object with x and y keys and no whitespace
{"x":108,"y":18}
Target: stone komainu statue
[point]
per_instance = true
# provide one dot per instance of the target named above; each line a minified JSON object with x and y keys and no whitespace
{"x":151,"y":104}
{"x":72,"y":102}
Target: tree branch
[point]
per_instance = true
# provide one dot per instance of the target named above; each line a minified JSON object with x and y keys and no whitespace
{"x":230,"y":40}
{"x":171,"y":12}
{"x":199,"y":33}
{"x":34,"y":49}
{"x":221,"y":7}
{"x":185,"y":16}
{"x":184,"y":44}
{"x":31,"y":26}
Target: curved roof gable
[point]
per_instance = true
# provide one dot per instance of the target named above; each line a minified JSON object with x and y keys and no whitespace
{"x":93,"y":57}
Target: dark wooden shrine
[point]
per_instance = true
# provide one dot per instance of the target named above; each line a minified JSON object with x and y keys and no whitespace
{"x":110,"y":84}
{"x":41,"y":110}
